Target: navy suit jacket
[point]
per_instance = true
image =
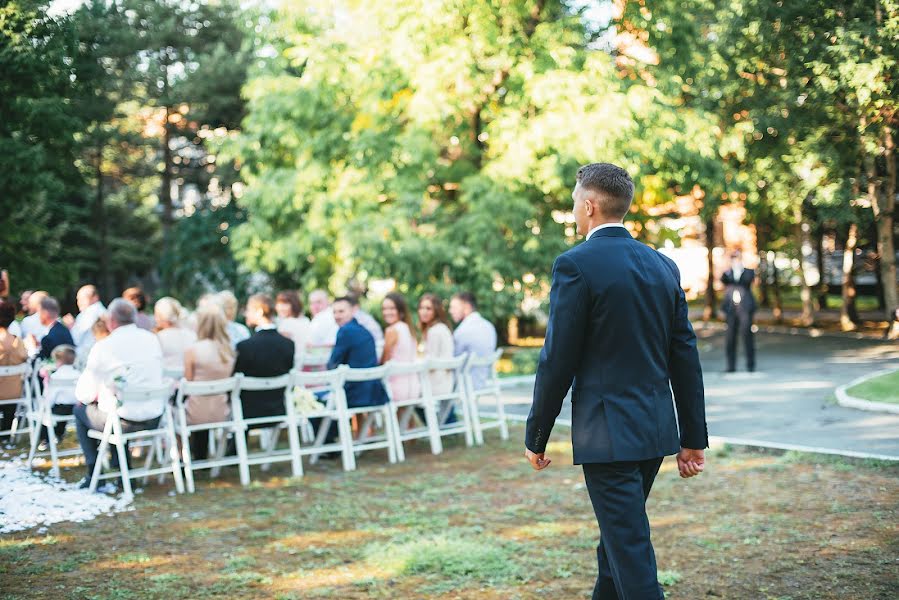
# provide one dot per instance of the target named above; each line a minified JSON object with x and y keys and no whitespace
{"x":744,"y":285}
{"x":355,"y":347}
{"x":618,"y":329}
{"x":57,"y":335}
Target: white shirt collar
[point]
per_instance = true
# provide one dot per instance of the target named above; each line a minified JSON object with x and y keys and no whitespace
{"x":266,"y":327}
{"x":603,"y":226}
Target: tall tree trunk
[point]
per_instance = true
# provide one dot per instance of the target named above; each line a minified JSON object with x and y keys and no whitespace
{"x":165,"y":191}
{"x":819,"y":263}
{"x":848,"y":311}
{"x":778,"y":310}
{"x":808,"y":309}
{"x":105,"y":276}
{"x":882,"y":196}
{"x":710,"y":299}
{"x":761,"y":246}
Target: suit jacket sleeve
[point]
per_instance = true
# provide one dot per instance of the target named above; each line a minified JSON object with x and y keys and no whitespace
{"x":568,"y":314}
{"x":341,"y":350}
{"x":686,"y":377}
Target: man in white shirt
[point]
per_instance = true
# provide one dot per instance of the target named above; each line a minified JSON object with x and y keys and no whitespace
{"x":474,"y":334}
{"x":367,"y":321}
{"x":128,"y":356}
{"x":324,"y":327}
{"x":31,"y":325}
{"x":89,"y":310}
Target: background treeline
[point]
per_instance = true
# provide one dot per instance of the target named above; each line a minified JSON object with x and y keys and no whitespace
{"x":189,"y":146}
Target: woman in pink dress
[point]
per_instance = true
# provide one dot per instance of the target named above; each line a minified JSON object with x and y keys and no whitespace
{"x":399,"y":345}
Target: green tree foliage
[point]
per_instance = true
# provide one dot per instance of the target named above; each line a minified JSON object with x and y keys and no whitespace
{"x":435,"y":144}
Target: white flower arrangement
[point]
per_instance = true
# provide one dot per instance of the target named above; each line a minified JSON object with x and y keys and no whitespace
{"x":305,"y":402}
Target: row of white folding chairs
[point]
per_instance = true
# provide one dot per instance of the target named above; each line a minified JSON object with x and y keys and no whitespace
{"x":378,"y":427}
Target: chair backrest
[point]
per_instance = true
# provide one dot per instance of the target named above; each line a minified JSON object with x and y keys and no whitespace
{"x":406,"y":368}
{"x":207,"y":388}
{"x":447,"y":364}
{"x":317,"y":379}
{"x":366,"y":374}
{"x":21,"y":370}
{"x":483,"y":361}
{"x":253,"y":384}
{"x":150,"y":397}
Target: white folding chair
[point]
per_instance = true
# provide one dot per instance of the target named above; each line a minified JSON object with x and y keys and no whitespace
{"x":41,"y":415}
{"x":404,"y":412}
{"x":21,"y":405}
{"x":219,"y":429}
{"x":161,"y":438}
{"x":453,"y":402}
{"x":371,"y":417}
{"x":328,"y":387}
{"x":272,"y":426}
{"x":490,"y":388}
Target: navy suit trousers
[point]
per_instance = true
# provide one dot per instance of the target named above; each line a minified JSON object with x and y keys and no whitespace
{"x":627,"y":561}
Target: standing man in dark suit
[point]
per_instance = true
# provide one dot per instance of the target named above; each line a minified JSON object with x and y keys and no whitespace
{"x":355,"y":348}
{"x":618,"y":329}
{"x":739,"y":309}
{"x":266,"y":353}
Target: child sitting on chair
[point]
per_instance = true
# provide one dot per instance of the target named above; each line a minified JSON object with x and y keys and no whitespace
{"x":61,"y":387}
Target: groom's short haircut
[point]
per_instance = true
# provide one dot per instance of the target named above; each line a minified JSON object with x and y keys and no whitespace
{"x":612,"y":184}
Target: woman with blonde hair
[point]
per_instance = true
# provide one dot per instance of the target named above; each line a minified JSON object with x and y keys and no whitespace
{"x":174,"y":336}
{"x":207,"y":359}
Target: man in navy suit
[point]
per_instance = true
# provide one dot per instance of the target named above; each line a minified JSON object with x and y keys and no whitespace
{"x":57,"y":333}
{"x":618,"y":329}
{"x":355,"y":347}
{"x":739,"y":309}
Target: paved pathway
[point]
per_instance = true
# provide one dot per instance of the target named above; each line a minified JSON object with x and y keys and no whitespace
{"x":789,"y":401}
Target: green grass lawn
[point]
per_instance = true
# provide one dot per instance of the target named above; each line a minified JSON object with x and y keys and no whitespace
{"x":880,"y":389}
{"x":476,"y":524}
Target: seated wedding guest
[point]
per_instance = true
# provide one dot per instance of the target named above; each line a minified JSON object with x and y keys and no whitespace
{"x":266,"y":353}
{"x":57,"y":333}
{"x":366,"y":320}
{"x":355,"y":347}
{"x":324,"y":327}
{"x":12,"y":353}
{"x":136,"y":296}
{"x":400,"y":345}
{"x":174,"y":337}
{"x":128,"y":352}
{"x":210,"y":357}
{"x":4,"y":285}
{"x":100,"y":330}
{"x":89,"y":310}
{"x":62,"y":398}
{"x":237,"y":332}
{"x":292,"y":323}
{"x":15,"y":328}
{"x":437,"y":340}
{"x":473,"y":334}
{"x":31,"y":325}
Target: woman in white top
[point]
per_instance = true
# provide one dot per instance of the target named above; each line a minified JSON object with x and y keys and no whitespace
{"x":292,"y":323}
{"x":437,"y":340}
{"x":174,"y":336}
{"x":399,"y":345}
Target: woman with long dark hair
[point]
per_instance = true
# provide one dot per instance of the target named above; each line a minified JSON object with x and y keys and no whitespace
{"x":399,"y":345}
{"x":437,"y":339}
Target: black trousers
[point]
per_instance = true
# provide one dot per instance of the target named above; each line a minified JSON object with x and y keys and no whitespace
{"x":626,"y":559}
{"x":59,"y":428}
{"x":740,"y":323}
